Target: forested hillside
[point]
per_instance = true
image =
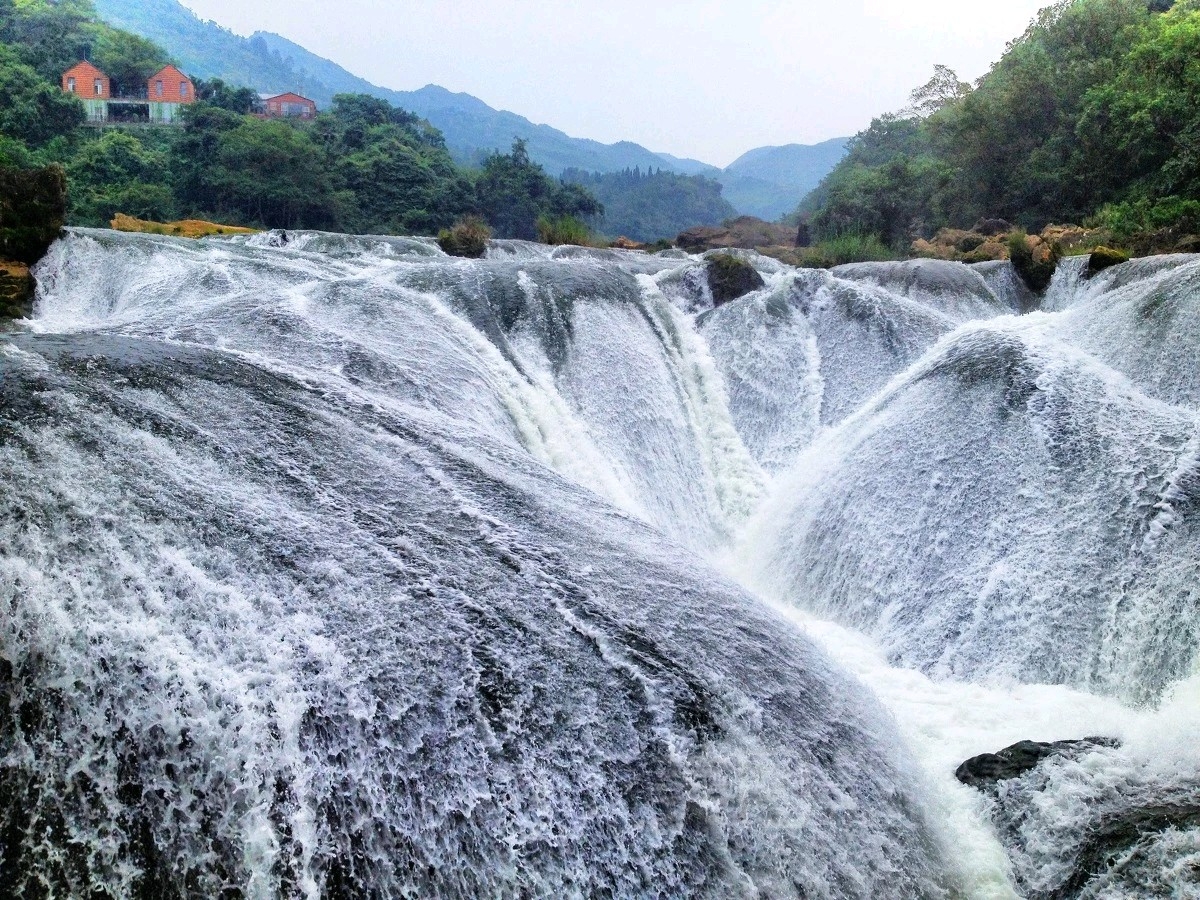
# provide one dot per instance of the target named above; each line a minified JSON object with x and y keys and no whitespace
{"x":1093,"y":114}
{"x":649,"y":206}
{"x":362,"y":166}
{"x":268,"y":62}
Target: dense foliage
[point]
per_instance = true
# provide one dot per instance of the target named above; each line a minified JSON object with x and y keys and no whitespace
{"x":647,"y":206}
{"x":361,"y":166}
{"x":1093,"y":113}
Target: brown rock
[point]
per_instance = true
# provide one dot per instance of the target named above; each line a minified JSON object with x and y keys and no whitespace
{"x":624,"y":243}
{"x":16,"y":290}
{"x":745,"y":233}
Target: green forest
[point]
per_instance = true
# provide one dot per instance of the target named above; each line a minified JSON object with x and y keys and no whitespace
{"x":362,"y":166}
{"x":649,"y":206}
{"x":1091,"y":117}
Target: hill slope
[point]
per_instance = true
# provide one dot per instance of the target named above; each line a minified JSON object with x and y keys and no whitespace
{"x":768,"y":182}
{"x":268,"y":62}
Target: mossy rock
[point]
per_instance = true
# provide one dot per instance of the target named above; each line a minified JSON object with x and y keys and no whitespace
{"x":33,"y":207}
{"x":731,"y":277}
{"x":1104,"y":258}
{"x":969,"y":242}
{"x":1036,"y":268}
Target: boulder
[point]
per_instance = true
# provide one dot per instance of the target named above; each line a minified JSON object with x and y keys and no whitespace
{"x":988,"y":770}
{"x":730,"y":278}
{"x":624,"y":243}
{"x":992,"y":227}
{"x":1189,"y":243}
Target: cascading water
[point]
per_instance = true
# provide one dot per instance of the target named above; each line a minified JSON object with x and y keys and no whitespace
{"x":334,"y":567}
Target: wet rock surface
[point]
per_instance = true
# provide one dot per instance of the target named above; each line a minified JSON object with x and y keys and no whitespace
{"x":1085,"y":819}
{"x":730,"y":278}
{"x":984,"y":772}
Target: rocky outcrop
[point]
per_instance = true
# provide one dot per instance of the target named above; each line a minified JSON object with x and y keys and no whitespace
{"x":745,"y":233}
{"x":189,"y":228}
{"x":730,"y":278}
{"x":33,"y":205}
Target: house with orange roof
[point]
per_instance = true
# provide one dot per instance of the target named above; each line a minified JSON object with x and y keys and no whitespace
{"x":159,"y":103}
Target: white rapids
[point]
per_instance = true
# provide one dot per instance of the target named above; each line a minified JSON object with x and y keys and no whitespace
{"x":334,"y":567}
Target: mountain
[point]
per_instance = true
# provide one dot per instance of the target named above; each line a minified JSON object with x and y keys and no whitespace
{"x":768,"y":183}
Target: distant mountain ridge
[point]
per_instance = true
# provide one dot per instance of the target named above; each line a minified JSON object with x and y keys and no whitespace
{"x":768,"y":182}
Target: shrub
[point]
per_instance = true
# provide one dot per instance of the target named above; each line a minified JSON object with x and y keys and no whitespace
{"x":564,"y":230}
{"x":468,"y":238}
{"x":844,"y":249}
{"x":1142,"y":217}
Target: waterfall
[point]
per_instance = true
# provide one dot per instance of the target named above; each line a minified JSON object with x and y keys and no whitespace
{"x":334,"y":567}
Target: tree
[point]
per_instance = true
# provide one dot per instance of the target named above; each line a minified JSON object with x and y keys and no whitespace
{"x":513,"y":192}
{"x":127,"y":59}
{"x":117,"y":173}
{"x":32,"y":111}
{"x":942,"y":90}
{"x":225,"y":96}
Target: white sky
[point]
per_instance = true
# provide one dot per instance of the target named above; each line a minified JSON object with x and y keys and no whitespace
{"x":708,"y":79}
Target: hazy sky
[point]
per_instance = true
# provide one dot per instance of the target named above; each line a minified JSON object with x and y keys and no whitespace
{"x":708,"y":79}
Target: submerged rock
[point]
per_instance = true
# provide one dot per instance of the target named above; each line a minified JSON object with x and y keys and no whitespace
{"x":1088,"y":819}
{"x":984,"y":772}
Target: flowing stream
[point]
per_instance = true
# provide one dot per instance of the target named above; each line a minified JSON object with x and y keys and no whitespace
{"x":332,"y":567}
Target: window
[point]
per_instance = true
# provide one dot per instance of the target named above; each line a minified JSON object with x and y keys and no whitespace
{"x":158,"y":88}
{"x":99,"y":87}
{"x":183,"y":90}
{"x":71,"y":85}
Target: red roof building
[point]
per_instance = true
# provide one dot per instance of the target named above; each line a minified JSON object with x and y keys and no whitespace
{"x":289,"y":106}
{"x":87,"y":82}
{"x":171,"y":86}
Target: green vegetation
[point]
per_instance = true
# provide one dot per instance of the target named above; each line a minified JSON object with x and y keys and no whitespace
{"x":362,"y":166}
{"x":561,"y":230}
{"x":468,"y":238}
{"x":839,"y":250}
{"x":648,"y":206}
{"x":32,"y":208}
{"x":1093,"y":114}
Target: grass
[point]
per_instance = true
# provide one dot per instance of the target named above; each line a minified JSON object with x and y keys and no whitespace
{"x":565,"y":230}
